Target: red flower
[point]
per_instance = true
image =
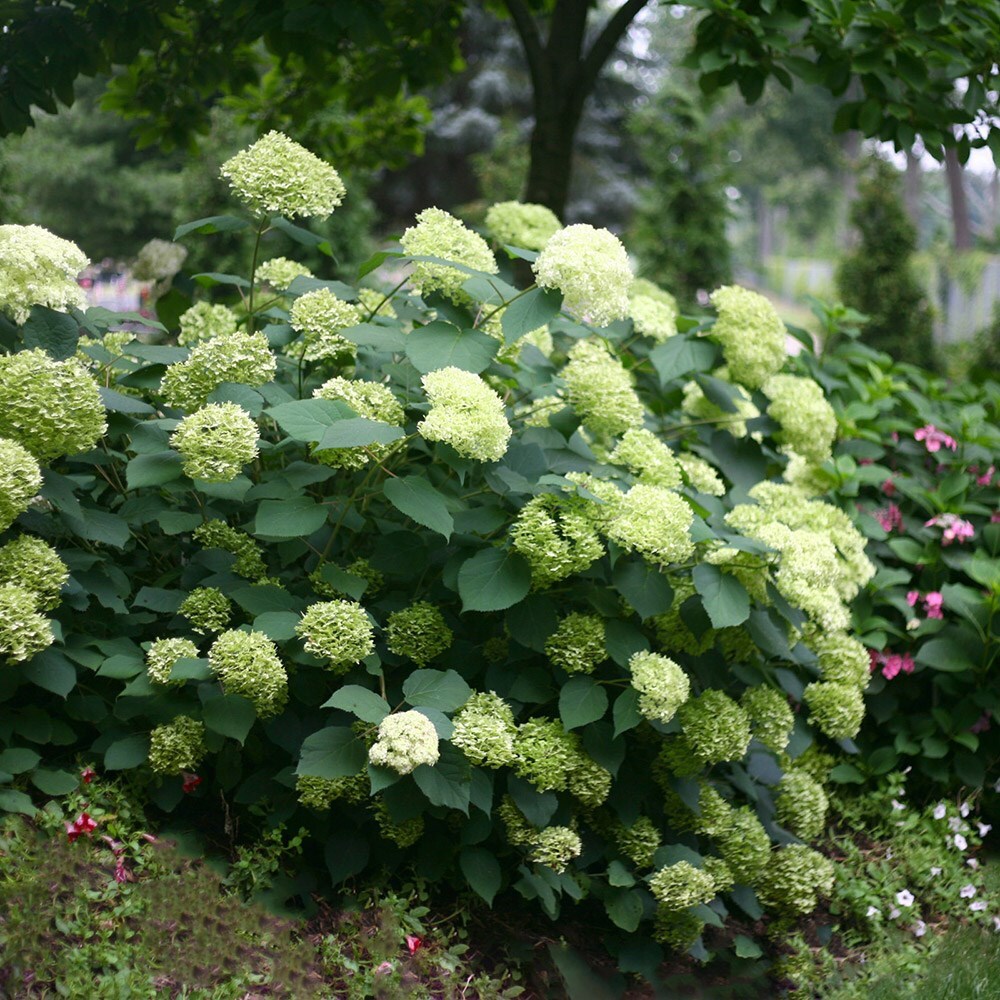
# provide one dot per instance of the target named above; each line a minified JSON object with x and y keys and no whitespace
{"x":82,"y":824}
{"x":413,"y":943}
{"x":191,"y":782}
{"x":87,"y":775}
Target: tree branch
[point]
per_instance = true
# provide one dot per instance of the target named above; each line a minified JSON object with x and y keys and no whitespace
{"x":532,"y":42}
{"x":604,"y":44}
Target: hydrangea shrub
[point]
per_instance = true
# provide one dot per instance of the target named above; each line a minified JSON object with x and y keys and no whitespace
{"x":449,"y":574}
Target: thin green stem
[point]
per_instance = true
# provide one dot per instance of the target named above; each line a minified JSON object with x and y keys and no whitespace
{"x":503,"y":305}
{"x":261,"y":229}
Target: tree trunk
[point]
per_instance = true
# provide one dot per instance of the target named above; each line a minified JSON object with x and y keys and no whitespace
{"x":959,"y":204}
{"x":912,"y":189}
{"x":551,"y":164}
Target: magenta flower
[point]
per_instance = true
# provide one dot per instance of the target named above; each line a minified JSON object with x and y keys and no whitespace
{"x":890,"y":517}
{"x":892,"y":664}
{"x":981,"y":724}
{"x":933,"y":438}
{"x":191,"y":782}
{"x":912,"y":596}
{"x":987,"y":477}
{"x":87,"y":775}
{"x":955,"y":528}
{"x":933,"y":602}
{"x":889,"y":487}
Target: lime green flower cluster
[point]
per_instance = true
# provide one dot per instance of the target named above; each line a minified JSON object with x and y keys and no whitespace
{"x":38,"y":268}
{"x":751,"y":333}
{"x":590,"y":267}
{"x":405,"y":741}
{"x":207,"y":609}
{"x":35,"y":566}
{"x":802,"y":805}
{"x":589,"y":783}
{"x":555,"y":847}
{"x":163,"y":654}
{"x":600,"y":389}
{"x":652,"y":318}
{"x":20,"y":480}
{"x":681,"y":885}
{"x":673,"y":632}
{"x":556,"y":535}
{"x":651,"y":290}
{"x":320,"y":793}
{"x":655,"y":522}
{"x":203,"y":321}
{"x":842,"y":658}
{"x":241,"y":357}
{"x":280,"y":272}
{"x":361,"y":568}
{"x":795,"y":877}
{"x":745,"y":846}
{"x":662,"y":685}
{"x":521,"y":224}
{"x":157,"y":260}
{"x":52,"y":408}
{"x":770,"y":715}
{"x":810,"y":479}
{"x":485,"y":730}
{"x":248,"y":664}
{"x":644,"y":454}
{"x":404,"y":834}
{"x":508,"y":354}
{"x":337,"y":631}
{"x":276,"y":176}
{"x":216,"y":442}
{"x":577,"y":645}
{"x":837,"y":709}
{"x":677,"y":929}
{"x":216,"y":534}
{"x":318,"y":316}
{"x":465,"y":413}
{"x":439,"y":234}
{"x":699,"y":407}
{"x":178,"y":746}
{"x":23,"y":631}
{"x":418,"y":632}
{"x":720,"y":873}
{"x":371,"y":400}
{"x":520,"y":833}
{"x":638,"y":842}
{"x":700,"y":475}
{"x":808,"y":423}
{"x":715,"y":726}
{"x":549,"y":757}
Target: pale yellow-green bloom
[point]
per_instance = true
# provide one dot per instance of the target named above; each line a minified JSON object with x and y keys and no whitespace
{"x":600,"y":389}
{"x":248,"y":664}
{"x":437,"y":233}
{"x":405,"y":741}
{"x":20,"y":480}
{"x":337,"y":631}
{"x":38,"y":268}
{"x":751,"y":333}
{"x":521,"y":224}
{"x":318,"y":317}
{"x":178,"y":746}
{"x":23,"y":631}
{"x":163,"y":654}
{"x":280,"y":272}
{"x":216,"y":442}
{"x":203,"y":321}
{"x":35,"y":566}
{"x":465,"y":413}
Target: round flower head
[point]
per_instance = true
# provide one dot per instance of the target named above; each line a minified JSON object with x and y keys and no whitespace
{"x":589,"y":782}
{"x":837,"y":709}
{"x":655,"y":522}
{"x":808,"y":423}
{"x":158,"y":260}
{"x":163,"y":654}
{"x":320,"y":793}
{"x":405,"y":741}
{"x":577,"y":645}
{"x":744,"y":846}
{"x":439,"y":234}
{"x":545,"y":754}
{"x":716,"y":727}
{"x":207,"y":609}
{"x":216,"y":534}
{"x":23,"y":631}
{"x":319,"y":316}
{"x":556,"y":846}
{"x":720,"y":873}
{"x":485,"y":730}
{"x":203,"y":321}
{"x":639,"y":842}
{"x":700,"y":475}
{"x":248,"y":664}
{"x":681,"y":885}
{"x":643,"y":453}
{"x":404,"y":834}
{"x":34,"y":566}
{"x":371,"y":400}
{"x":652,"y":318}
{"x":842,"y":658}
{"x":280,"y":272}
{"x":276,"y":176}
{"x":590,"y":267}
{"x":600,"y":390}
{"x":177,"y":747}
{"x":677,"y":929}
{"x":216,"y":442}
{"x":241,"y":357}
{"x":751,"y":333}
{"x":795,"y":877}
{"x":771,"y":716}
{"x":643,"y":287}
{"x":20,"y":481}
{"x":466,"y":414}
{"x":801,"y":805}
{"x":418,"y":632}
{"x":521,"y":224}
{"x":51,"y":407}
{"x":696,"y":404}
{"x":338,"y":631}
{"x":662,"y":685}
{"x":38,"y":268}
{"x":557,"y":536}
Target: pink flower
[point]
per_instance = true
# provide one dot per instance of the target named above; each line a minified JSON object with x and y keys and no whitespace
{"x":955,"y":528}
{"x":987,"y":477}
{"x":890,"y":517}
{"x":994,"y":517}
{"x":933,"y":438}
{"x":82,"y":824}
{"x":892,"y":664}
{"x":933,"y":601}
{"x":889,"y":487}
{"x":895,"y":437}
{"x":413,"y":943}
{"x":87,"y":775}
{"x":912,"y":596}
{"x":981,"y":724}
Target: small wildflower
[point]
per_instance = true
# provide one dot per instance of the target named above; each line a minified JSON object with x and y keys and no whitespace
{"x":889,"y":487}
{"x":413,"y":943}
{"x":890,"y":518}
{"x":984,"y":828}
{"x":967,"y":891}
{"x":960,"y":842}
{"x":940,"y":811}
{"x":895,"y":913}
{"x":987,"y":477}
{"x":919,"y":929}
{"x":964,"y":809}
{"x":82,"y":824}
{"x":191,"y":782}
{"x":935,"y":871}
{"x":904,"y":898}
{"x":955,"y":528}
{"x":933,"y":438}
{"x":978,"y":906}
{"x":972,"y":863}
{"x":873,"y":911}
{"x":87,"y":775}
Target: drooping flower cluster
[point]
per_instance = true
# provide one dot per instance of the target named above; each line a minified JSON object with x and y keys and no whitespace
{"x":652,"y":318}
{"x":521,"y":224}
{"x":280,"y":272}
{"x":837,"y":709}
{"x":163,"y":654}
{"x":698,"y":406}
{"x":842,"y":659}
{"x":638,"y":842}
{"x":590,"y":267}
{"x":23,"y":631}
{"x":20,"y":480}
{"x":33,"y":565}
{"x":556,"y":846}
{"x":276,"y":176}
{"x":216,"y":442}
{"x":701,"y":476}
{"x":203,"y":321}
{"x":655,"y":522}
{"x":681,"y":885}
{"x":662,"y":685}
{"x":751,"y":333}
{"x":577,"y":645}
{"x":600,"y":390}
{"x":466,"y":414}
{"x":371,"y":400}
{"x":216,"y":534}
{"x":338,"y":631}
{"x":405,"y":741}
{"x":556,"y":534}
{"x":319,"y":316}
{"x":802,"y":805}
{"x":437,"y":233}
{"x":248,"y":664}
{"x":808,"y":423}
{"x":644,"y":454}
{"x":52,"y":408}
{"x":794,"y":878}
{"x":240,"y":357}
{"x":418,"y":632}
{"x":771,"y":718}
{"x":207,"y":609}
{"x":178,"y":746}
{"x":157,"y":260}
{"x":485,"y":730}
{"x":38,"y":268}
{"x":715,"y":727}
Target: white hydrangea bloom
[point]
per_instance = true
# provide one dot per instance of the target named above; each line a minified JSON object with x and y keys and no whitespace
{"x":38,"y":268}
{"x":437,"y":233}
{"x":405,"y":741}
{"x":216,"y":442}
{"x":465,"y":413}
